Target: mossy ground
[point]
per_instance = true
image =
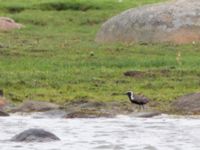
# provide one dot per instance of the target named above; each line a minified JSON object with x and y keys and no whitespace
{"x":55,"y":58}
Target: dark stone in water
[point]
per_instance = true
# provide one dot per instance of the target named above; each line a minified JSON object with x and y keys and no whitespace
{"x":3,"y":114}
{"x":146,"y":114}
{"x":53,"y":114}
{"x":35,"y":135}
{"x":85,"y":113}
{"x":92,"y":109}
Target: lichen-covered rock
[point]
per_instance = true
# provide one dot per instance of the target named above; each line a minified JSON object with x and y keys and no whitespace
{"x":35,"y":135}
{"x":35,"y":106}
{"x":188,"y":104}
{"x":175,"y":21}
{"x":7,"y":24}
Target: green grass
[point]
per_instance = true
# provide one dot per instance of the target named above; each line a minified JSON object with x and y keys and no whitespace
{"x":56,"y":59}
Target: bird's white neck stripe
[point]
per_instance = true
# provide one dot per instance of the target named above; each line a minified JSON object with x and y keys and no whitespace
{"x":132,"y":97}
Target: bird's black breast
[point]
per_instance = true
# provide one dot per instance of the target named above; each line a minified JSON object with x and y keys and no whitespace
{"x":140,"y":100}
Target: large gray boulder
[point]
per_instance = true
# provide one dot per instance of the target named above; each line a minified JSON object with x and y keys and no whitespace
{"x":174,"y":21}
{"x":188,"y":104}
{"x":35,"y":135}
{"x":7,"y":24}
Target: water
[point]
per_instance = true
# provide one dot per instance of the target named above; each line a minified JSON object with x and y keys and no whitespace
{"x":120,"y":133}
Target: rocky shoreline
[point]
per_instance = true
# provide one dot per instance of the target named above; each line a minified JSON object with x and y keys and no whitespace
{"x":78,"y":109}
{"x":185,"y":105}
{"x":89,"y":109}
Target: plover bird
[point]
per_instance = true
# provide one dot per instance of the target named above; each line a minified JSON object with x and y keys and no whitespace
{"x":139,"y":100}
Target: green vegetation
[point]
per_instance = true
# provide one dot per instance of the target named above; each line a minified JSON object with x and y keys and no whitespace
{"x":56,"y":59}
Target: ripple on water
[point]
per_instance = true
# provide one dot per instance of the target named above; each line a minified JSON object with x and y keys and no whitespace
{"x":120,"y":133}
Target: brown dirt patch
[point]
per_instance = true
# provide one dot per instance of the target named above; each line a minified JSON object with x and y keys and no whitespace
{"x":148,"y":73}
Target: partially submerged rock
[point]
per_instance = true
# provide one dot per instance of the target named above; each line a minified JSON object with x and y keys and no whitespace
{"x":187,"y":104}
{"x":7,"y":24}
{"x":35,"y":106}
{"x":175,"y":21}
{"x":86,"y":113}
{"x":91,"y":109}
{"x":35,"y":135}
{"x":3,"y":103}
{"x":3,"y":114}
{"x":56,"y":113}
{"x":145,"y":114}
{"x":85,"y":109}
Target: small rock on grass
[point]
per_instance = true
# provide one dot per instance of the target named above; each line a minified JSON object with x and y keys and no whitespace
{"x":7,"y":24}
{"x":187,"y":104}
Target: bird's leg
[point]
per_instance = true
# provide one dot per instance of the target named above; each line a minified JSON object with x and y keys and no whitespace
{"x":139,"y":107}
{"x":143,"y":107}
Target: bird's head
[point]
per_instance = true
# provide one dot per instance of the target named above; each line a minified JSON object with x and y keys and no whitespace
{"x":129,"y":93}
